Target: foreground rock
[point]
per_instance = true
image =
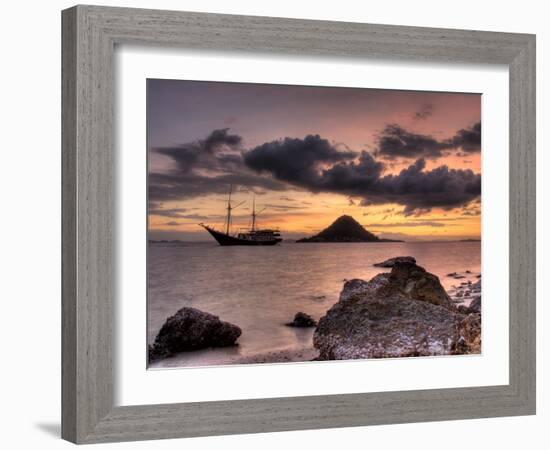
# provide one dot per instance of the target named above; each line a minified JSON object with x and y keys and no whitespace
{"x":302,"y":320}
{"x":192,"y":329}
{"x":403,"y":313}
{"x":398,"y":259}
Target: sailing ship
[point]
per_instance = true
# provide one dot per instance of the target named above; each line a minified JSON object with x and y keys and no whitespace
{"x":253,"y":236}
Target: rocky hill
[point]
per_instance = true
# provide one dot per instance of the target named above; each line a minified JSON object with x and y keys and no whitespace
{"x":345,"y":229}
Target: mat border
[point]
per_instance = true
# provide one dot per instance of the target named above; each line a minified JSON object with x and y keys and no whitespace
{"x":90,"y":34}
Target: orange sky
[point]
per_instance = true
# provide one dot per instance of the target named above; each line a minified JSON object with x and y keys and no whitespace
{"x":185,"y":190}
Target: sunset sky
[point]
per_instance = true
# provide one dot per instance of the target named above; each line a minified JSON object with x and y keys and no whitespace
{"x":404,"y":164}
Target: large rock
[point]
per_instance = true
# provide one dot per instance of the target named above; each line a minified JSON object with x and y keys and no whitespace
{"x":192,"y":329}
{"x":398,"y":259}
{"x":403,"y":313}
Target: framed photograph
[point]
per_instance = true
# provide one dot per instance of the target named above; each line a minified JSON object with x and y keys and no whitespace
{"x":256,"y":209}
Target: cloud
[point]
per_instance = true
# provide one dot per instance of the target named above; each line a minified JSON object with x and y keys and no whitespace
{"x":295,"y":160}
{"x":415,"y":188}
{"x":176,"y":186}
{"x":468,"y":139}
{"x":216,"y":151}
{"x":473,"y":209}
{"x":424,"y":112}
{"x":282,"y":207}
{"x":313,"y":164}
{"x":396,"y":142}
{"x":206,"y":166}
{"x":424,"y":223}
{"x":187,"y":217}
{"x":170,"y":212}
{"x":420,"y":189}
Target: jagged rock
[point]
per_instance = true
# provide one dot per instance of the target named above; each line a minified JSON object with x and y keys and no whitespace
{"x":302,"y":320}
{"x":419,"y":284}
{"x":403,"y":313}
{"x":192,"y":329}
{"x":398,"y":259}
{"x":469,"y":335}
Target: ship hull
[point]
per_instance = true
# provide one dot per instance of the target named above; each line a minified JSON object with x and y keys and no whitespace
{"x":226,"y":240}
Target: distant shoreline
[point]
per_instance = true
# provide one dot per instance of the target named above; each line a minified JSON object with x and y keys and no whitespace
{"x":292,"y":241}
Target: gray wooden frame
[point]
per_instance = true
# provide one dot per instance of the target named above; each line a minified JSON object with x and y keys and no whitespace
{"x":89,"y":37}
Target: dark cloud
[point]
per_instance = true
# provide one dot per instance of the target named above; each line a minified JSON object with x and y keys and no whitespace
{"x":206,"y":166}
{"x":295,"y":160}
{"x":351,"y":177}
{"x":468,"y":139}
{"x":418,"y":189}
{"x":414,"y":187}
{"x":396,"y":142}
{"x":424,"y":112}
{"x":176,"y":186}
{"x":210,"y":165}
{"x":216,"y":151}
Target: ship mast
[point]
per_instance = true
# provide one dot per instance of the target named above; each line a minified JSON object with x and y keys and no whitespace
{"x":254,"y":213}
{"x":229,"y":209}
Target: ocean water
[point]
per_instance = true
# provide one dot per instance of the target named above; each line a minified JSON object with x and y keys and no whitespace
{"x":261,"y":288}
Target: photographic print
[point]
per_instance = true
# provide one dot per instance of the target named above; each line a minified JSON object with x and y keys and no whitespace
{"x":302,"y":223}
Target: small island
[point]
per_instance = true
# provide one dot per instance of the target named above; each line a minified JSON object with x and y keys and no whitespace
{"x":345,"y":229}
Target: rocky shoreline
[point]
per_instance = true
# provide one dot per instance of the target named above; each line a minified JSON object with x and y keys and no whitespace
{"x":400,"y":313}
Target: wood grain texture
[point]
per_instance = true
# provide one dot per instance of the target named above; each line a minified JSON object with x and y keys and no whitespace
{"x":89,"y":37}
{"x":68,"y":225}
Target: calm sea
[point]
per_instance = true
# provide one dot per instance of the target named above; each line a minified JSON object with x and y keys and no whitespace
{"x":261,"y":288}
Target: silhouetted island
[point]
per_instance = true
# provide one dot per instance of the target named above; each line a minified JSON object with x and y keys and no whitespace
{"x":345,"y":229}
